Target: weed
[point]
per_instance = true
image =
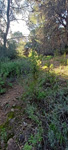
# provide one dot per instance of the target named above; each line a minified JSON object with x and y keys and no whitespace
{"x":57,"y":119}
{"x":35,"y":62}
{"x":64,"y":60}
{"x":2,"y":88}
{"x":10,"y":115}
{"x":12,"y":70}
{"x":37,"y":138}
{"x":41,"y":94}
{"x":34,"y":140}
{"x":15,"y":68}
{"x":3,"y":134}
{"x":31,"y":111}
{"x":27,"y":147}
{"x":46,"y":57}
{"x":56,"y":53}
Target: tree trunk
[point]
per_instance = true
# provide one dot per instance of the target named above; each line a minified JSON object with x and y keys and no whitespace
{"x":7,"y":24}
{"x":4,"y":48}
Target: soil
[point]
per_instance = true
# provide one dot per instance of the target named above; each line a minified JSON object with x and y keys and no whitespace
{"x":9,"y":99}
{"x":18,"y":127}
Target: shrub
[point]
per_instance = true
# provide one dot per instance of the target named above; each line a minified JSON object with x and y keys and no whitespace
{"x":15,"y":68}
{"x":27,"y":146}
{"x":9,"y":71}
{"x":56,"y":118}
{"x":11,"y":50}
{"x":2,"y":86}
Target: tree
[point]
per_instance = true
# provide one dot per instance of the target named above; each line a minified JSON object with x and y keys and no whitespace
{"x":17,"y":36}
{"x":9,"y":10}
{"x":52,"y":23}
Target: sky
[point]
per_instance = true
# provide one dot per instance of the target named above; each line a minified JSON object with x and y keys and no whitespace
{"x":21,"y":26}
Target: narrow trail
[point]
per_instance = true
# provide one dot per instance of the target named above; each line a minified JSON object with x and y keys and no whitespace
{"x":8,"y":100}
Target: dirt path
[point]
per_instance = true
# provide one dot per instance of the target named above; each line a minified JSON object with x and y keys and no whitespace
{"x":9,"y":99}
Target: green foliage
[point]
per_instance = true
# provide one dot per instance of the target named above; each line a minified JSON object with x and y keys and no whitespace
{"x":31,"y":80}
{"x":10,"y":115}
{"x":40,"y":94}
{"x":35,"y":62}
{"x":1,"y":52}
{"x":2,"y":90}
{"x":35,"y":139}
{"x":27,"y":146}
{"x":48,"y":80}
{"x":57,"y":118}
{"x":64,"y":60}
{"x":15,"y":68}
{"x":3,"y":134}
{"x":45,"y":98}
{"x":2,"y":87}
{"x":31,"y":111}
{"x":56,"y":53}
{"x":57,"y":133}
{"x":20,"y":49}
{"x":11,"y":51}
{"x":48,"y":94}
{"x":10,"y":70}
{"x":47,"y":57}
{"x":66,"y":49}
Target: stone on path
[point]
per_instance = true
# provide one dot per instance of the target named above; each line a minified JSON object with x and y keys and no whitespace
{"x":12,"y":145}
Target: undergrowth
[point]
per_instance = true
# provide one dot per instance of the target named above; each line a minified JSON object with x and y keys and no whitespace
{"x":11,"y":70}
{"x":47,"y":101}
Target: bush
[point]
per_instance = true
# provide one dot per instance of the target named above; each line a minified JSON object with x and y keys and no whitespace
{"x":52,"y":106}
{"x":15,"y":68}
{"x":2,"y":86}
{"x":9,"y":71}
{"x":11,"y":50}
{"x":2,"y":54}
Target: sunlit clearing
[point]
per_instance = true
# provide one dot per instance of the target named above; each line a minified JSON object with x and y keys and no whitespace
{"x":58,"y":65}
{"x":62,"y":70}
